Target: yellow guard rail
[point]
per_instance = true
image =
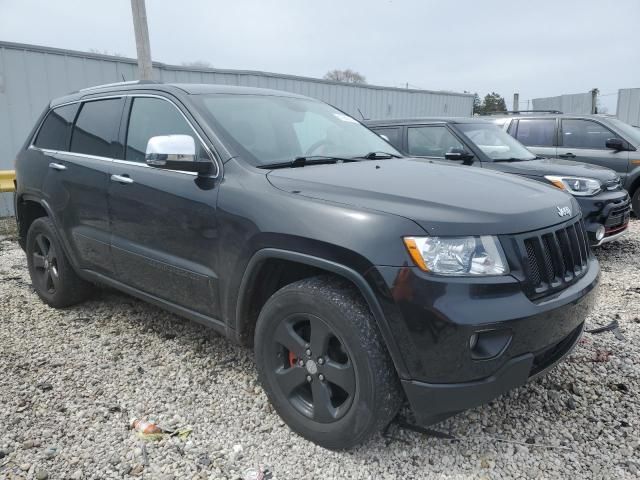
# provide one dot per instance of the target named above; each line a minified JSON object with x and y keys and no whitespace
{"x":6,"y":180}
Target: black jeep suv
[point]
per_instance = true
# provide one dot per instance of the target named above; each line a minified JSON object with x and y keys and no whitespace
{"x":474,"y":142}
{"x":360,"y":277}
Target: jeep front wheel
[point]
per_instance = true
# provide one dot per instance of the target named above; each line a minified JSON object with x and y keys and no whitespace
{"x":323,"y":364}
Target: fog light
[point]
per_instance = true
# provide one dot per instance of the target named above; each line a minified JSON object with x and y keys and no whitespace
{"x":600,"y":233}
{"x":489,"y":343}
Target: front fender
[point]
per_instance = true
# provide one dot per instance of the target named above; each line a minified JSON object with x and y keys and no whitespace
{"x":248,"y":285}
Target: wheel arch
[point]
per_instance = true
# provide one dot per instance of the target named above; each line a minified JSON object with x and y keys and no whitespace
{"x":247,"y":313}
{"x":28,"y":209}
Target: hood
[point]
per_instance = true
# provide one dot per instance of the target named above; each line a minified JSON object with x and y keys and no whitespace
{"x":442,"y":199}
{"x":549,"y":166}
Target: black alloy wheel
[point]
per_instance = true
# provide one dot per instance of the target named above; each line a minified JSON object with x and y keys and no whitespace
{"x":54,"y":279}
{"x":323,"y":363}
{"x":45,"y":264}
{"x":312,"y":368}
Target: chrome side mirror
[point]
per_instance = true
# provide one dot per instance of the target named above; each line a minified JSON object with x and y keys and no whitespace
{"x":176,"y":152}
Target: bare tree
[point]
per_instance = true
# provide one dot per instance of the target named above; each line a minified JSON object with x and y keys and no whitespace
{"x":104,"y":52}
{"x":346,"y":76}
{"x":197,"y":64}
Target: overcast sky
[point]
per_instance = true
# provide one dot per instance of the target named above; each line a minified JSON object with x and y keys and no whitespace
{"x":538,"y":48}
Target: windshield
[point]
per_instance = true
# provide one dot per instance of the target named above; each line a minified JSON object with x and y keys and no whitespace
{"x":631,"y":133}
{"x":268,"y":129}
{"x":495,"y":142}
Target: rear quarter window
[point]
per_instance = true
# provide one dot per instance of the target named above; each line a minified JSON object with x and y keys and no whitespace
{"x":56,"y":128}
{"x":535,"y":132}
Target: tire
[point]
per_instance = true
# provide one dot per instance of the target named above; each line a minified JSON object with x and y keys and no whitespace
{"x":360,"y":392}
{"x":635,"y":202}
{"x":52,"y":276}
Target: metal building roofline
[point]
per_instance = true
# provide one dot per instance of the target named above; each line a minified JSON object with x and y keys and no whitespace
{"x":100,"y":56}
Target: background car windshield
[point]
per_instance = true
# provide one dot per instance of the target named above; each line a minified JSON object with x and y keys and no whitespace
{"x":270,"y":129}
{"x":495,"y":142}
{"x":631,"y":133}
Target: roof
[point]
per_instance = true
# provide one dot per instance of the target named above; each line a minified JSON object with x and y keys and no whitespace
{"x":423,"y":121}
{"x":551,"y":115}
{"x":188,"y":88}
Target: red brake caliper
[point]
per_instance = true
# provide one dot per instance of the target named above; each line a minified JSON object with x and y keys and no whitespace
{"x":292,"y":359}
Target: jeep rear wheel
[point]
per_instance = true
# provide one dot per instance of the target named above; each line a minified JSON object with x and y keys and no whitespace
{"x":52,"y":276}
{"x":323,"y":364}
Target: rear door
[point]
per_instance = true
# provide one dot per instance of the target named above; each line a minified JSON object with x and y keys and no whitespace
{"x":163,"y":222}
{"x":539,"y":135}
{"x":583,"y":140}
{"x":82,"y":173}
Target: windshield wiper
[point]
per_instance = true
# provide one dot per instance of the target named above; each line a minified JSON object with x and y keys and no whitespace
{"x":511,"y":159}
{"x":379,"y":155}
{"x":304,"y":161}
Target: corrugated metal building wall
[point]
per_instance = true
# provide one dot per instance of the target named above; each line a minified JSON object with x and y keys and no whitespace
{"x":31,"y":75}
{"x":628,"y":109}
{"x":578,"y":103}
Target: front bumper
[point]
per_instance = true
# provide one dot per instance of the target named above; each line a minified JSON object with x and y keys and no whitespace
{"x":433,"y":319}
{"x":609,"y":209}
{"x":434,"y":402}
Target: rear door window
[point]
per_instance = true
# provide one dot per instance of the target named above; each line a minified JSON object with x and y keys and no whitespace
{"x":536,"y":132}
{"x":392,"y":134}
{"x":152,"y":117}
{"x":431,"y":141}
{"x":96,"y":128}
{"x":56,"y":128}
{"x":585,"y":134}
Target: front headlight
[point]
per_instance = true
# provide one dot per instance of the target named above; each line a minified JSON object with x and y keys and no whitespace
{"x":461,"y":256}
{"x":579,"y":186}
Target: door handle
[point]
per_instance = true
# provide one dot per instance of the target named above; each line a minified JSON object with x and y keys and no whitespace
{"x":121,"y":179}
{"x":567,"y":155}
{"x":57,"y":166}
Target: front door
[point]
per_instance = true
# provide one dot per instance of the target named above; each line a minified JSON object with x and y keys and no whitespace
{"x":434,"y":141}
{"x":163,"y":222}
{"x":584,"y":140}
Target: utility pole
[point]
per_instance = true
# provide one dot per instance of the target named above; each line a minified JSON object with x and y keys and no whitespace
{"x":143,"y":48}
{"x":516,"y":102}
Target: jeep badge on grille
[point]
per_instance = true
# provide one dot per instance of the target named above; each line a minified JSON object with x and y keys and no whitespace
{"x":564,"y":211}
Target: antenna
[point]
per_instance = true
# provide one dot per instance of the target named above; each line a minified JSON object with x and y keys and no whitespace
{"x":361,"y":114}
{"x":123,"y":79}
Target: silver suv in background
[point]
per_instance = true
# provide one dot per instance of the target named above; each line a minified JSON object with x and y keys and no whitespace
{"x":597,"y":139}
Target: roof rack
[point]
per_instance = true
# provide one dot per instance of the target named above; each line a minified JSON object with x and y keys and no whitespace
{"x":117,"y":84}
{"x":517,"y":112}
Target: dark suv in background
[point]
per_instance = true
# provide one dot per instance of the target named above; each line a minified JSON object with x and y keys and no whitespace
{"x":475,"y":142}
{"x":596,"y":139}
{"x":360,"y":277}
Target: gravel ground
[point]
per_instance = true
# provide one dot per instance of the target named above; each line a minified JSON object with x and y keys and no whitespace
{"x":71,"y":379}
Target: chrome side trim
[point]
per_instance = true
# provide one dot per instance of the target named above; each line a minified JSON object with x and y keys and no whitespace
{"x":144,"y":165}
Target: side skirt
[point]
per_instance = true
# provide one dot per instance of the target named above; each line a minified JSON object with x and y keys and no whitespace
{"x":218,"y":325}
